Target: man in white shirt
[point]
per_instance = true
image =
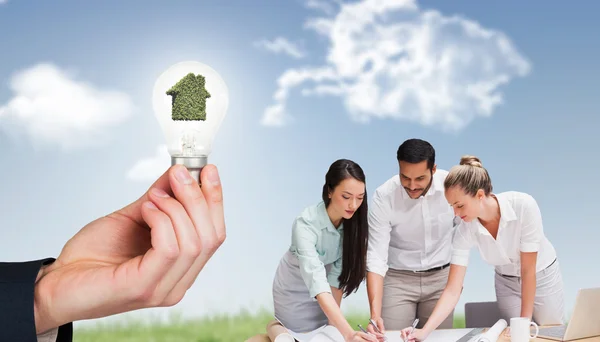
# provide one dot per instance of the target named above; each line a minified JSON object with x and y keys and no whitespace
{"x":410,"y":241}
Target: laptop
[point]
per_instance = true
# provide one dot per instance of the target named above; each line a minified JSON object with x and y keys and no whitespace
{"x":585,"y":321}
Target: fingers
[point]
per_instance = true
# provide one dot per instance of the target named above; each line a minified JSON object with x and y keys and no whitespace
{"x":191,"y":196}
{"x":211,"y":187}
{"x":161,"y":257}
{"x":187,"y":227}
{"x":404,"y":332}
{"x":205,"y":209}
{"x":407,"y":336}
{"x":367,"y":337}
{"x":203,"y":205}
{"x":189,"y":246}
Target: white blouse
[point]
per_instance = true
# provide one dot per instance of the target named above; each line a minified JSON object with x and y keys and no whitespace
{"x":520,"y":230}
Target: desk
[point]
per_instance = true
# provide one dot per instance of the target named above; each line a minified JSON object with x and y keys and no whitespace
{"x":504,"y":338}
{"x":395,"y":336}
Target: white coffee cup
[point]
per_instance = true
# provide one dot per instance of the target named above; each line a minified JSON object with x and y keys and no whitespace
{"x":519,"y":329}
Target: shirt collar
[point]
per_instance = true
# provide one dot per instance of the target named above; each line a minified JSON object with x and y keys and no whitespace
{"x":507,"y":214}
{"x":325,"y":221}
{"x":437,"y":185}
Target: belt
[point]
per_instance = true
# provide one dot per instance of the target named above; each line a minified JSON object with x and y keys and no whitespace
{"x":514,"y":276}
{"x":439,"y":268}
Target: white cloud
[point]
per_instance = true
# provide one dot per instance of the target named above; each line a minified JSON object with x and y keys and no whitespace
{"x":390,"y":59}
{"x":150,"y":169}
{"x":281,"y":45}
{"x":52,"y":108}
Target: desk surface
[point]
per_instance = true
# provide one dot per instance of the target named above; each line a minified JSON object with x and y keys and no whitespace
{"x":396,"y":335}
{"x":506,"y":338}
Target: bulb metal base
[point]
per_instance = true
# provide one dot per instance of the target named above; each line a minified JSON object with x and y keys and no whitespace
{"x":193,"y":164}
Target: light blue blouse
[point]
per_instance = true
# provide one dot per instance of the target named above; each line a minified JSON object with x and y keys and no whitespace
{"x":316,"y":243}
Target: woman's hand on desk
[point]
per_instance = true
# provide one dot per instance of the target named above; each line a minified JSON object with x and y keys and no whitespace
{"x":416,"y":336}
{"x":359,"y":336}
{"x":380,"y":335}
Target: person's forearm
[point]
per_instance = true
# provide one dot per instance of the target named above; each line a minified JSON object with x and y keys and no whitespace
{"x":443,"y":308}
{"x":528,"y":285}
{"x":375,"y":293}
{"x":334,"y":313}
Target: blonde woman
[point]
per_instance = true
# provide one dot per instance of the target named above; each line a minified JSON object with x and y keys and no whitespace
{"x":507,"y":229}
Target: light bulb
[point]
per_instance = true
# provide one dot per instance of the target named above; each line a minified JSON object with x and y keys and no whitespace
{"x":190,"y":100}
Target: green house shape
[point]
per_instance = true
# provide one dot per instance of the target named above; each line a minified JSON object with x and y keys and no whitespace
{"x":189,"y":98}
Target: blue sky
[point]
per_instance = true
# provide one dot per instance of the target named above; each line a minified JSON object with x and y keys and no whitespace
{"x":513,"y":83}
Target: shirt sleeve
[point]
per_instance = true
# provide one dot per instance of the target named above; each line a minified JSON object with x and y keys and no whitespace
{"x":50,"y":336}
{"x":462,"y":241}
{"x":17,"y":287}
{"x":379,"y":235}
{"x":304,"y":246}
{"x":531,"y":225}
{"x":335,"y":271}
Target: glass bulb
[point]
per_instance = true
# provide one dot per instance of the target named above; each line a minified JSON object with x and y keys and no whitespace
{"x":190,"y":100}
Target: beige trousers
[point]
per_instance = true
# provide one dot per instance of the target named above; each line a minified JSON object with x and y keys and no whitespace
{"x":408,"y":295}
{"x":549,"y":301}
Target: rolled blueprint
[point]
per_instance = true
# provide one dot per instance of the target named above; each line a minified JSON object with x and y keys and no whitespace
{"x":493,"y":334}
{"x":278,"y":333}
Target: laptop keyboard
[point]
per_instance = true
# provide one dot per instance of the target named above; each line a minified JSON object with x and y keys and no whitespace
{"x":558,"y":331}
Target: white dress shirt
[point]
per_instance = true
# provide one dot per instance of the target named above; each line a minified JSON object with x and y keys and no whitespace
{"x":49,"y":336}
{"x":409,"y":234}
{"x":520,"y":230}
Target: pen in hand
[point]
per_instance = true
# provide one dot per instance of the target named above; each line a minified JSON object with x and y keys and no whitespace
{"x":362,"y":329}
{"x":412,"y":329}
{"x":377,"y":328}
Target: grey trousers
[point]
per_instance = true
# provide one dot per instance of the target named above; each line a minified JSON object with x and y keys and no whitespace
{"x":408,"y":295}
{"x":549,"y":301}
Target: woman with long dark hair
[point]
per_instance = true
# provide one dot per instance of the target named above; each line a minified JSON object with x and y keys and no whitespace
{"x":327,"y":257}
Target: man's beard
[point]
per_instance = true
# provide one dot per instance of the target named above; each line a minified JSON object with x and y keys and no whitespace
{"x":424,"y":190}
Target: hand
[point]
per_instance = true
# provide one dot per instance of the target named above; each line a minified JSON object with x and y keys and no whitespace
{"x":358,"y":336}
{"x":147,"y":254}
{"x":417,"y":335}
{"x":371,"y":329}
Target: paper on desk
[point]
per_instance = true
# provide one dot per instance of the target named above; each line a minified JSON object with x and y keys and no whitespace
{"x":326,"y":333}
{"x":494,"y":332}
{"x":444,"y":335}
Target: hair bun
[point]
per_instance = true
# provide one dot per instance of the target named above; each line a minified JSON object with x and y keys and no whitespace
{"x":471,"y":161}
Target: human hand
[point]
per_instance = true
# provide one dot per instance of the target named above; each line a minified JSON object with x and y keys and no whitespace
{"x":416,"y":336}
{"x":358,"y":336}
{"x":380,"y":331}
{"x":147,"y":254}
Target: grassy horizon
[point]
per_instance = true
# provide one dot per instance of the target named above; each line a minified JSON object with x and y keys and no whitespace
{"x":217,"y":328}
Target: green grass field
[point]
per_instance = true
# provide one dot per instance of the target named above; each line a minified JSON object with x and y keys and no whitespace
{"x":215,"y":329}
